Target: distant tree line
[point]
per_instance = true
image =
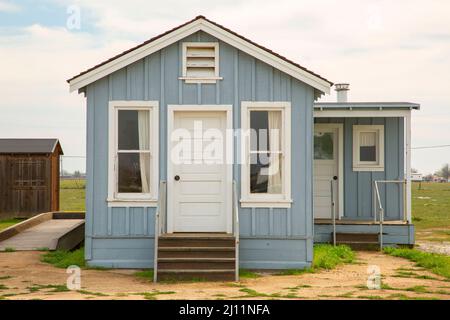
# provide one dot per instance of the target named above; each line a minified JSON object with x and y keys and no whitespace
{"x":75,"y":174}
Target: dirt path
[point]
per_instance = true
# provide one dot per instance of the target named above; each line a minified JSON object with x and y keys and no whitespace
{"x":23,"y":276}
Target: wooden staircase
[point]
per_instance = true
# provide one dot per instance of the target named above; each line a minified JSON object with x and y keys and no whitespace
{"x":361,"y":241}
{"x":187,"y":256}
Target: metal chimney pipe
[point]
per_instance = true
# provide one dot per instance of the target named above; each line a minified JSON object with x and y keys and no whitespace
{"x":342,"y":90}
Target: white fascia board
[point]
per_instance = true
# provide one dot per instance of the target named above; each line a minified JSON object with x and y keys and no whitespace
{"x":267,"y":57}
{"x":360,"y":113}
{"x":223,"y":35}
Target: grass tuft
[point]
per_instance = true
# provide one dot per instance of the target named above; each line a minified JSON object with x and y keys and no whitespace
{"x":145,"y":274}
{"x":326,"y":257}
{"x":247,"y":274}
{"x":64,"y":259}
{"x":437,"y":263}
{"x":98,"y":294}
{"x":53,"y":287}
{"x":6,"y":223}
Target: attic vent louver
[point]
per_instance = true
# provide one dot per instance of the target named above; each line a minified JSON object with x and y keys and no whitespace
{"x":201,"y":62}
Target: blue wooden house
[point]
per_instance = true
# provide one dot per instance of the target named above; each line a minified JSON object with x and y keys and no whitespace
{"x":207,"y":153}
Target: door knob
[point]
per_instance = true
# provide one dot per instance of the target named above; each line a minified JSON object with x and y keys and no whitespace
{"x":335,"y":178}
{"x":177,"y":178}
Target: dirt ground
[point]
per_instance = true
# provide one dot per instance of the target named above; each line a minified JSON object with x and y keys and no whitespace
{"x":23,"y":276}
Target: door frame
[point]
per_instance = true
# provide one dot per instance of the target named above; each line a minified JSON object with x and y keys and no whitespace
{"x":228,"y":109}
{"x":340,"y":150}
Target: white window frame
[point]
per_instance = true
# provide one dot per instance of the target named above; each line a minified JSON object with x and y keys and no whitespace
{"x":249,"y":200}
{"x":359,"y":165}
{"x":133,"y":199}
{"x":216,"y":76}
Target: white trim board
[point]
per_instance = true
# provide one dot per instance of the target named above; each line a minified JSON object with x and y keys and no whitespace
{"x":377,"y":165}
{"x":266,"y":200}
{"x":206,"y":26}
{"x":149,"y":200}
{"x":171,"y":109}
{"x":360,"y":113}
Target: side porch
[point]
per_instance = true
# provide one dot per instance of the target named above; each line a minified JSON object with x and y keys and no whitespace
{"x":362,"y":170}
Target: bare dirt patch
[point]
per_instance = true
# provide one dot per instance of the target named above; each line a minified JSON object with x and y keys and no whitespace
{"x":23,"y":276}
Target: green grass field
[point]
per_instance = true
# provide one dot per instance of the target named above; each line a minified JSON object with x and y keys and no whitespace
{"x":431,"y":210}
{"x":72,"y":195}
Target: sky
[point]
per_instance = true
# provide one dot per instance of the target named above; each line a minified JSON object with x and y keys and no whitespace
{"x":387,"y":51}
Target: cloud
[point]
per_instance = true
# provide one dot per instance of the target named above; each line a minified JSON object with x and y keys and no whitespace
{"x":6,"y":6}
{"x":387,"y":50}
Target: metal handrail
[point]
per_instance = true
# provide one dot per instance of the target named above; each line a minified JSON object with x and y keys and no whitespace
{"x":380,"y":212}
{"x":236,"y":229}
{"x":160,"y":222}
{"x":333,"y":211}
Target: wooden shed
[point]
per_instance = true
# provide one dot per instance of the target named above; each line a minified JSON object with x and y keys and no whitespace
{"x":29,"y":176}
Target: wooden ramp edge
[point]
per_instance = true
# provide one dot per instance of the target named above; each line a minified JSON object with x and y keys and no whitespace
{"x":67,"y":240}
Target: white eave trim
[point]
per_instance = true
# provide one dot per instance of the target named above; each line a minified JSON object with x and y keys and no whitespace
{"x":221,"y":34}
{"x":330,"y":113}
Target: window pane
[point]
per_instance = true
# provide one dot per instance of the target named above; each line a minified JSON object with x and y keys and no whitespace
{"x":266,"y":173}
{"x":368,"y":154}
{"x":265,"y":130}
{"x":134,"y":173}
{"x":323,"y":146}
{"x":259,"y":136}
{"x":133,"y":130}
{"x":368,"y":146}
{"x":368,"y":139}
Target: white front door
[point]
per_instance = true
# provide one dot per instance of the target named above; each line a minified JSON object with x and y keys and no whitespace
{"x":199,"y":189}
{"x":327,"y":145}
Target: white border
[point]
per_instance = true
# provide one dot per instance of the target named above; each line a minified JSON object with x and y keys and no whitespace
{"x":221,"y":34}
{"x":148,"y":201}
{"x":340,"y":130}
{"x":266,"y":200}
{"x":363,"y":165}
{"x":171,"y":109}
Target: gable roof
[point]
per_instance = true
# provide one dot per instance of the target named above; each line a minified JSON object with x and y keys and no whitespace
{"x":222,"y":33}
{"x":37,"y":146}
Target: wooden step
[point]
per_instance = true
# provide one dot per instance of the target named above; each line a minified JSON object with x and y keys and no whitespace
{"x":195,"y":242}
{"x":356,"y":237}
{"x":208,"y":256}
{"x":195,"y":263}
{"x":189,"y":274}
{"x":196,"y":252}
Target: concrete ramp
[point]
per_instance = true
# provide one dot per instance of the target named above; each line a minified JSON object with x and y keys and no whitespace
{"x":52,"y":232}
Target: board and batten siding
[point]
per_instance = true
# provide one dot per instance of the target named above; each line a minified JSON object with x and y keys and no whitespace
{"x":358,"y":197}
{"x":270,"y":237}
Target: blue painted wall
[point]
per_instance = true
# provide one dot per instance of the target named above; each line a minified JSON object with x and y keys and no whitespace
{"x":270,"y":238}
{"x":358,"y":201}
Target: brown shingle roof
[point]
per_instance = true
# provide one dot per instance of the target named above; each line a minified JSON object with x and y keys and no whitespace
{"x":186,"y":23}
{"x":13,"y":146}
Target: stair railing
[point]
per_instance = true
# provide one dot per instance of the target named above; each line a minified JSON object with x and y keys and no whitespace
{"x":160,"y":224}
{"x":236,"y":230}
{"x":378,"y":205}
{"x":333,"y":211}
{"x":378,"y":209}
